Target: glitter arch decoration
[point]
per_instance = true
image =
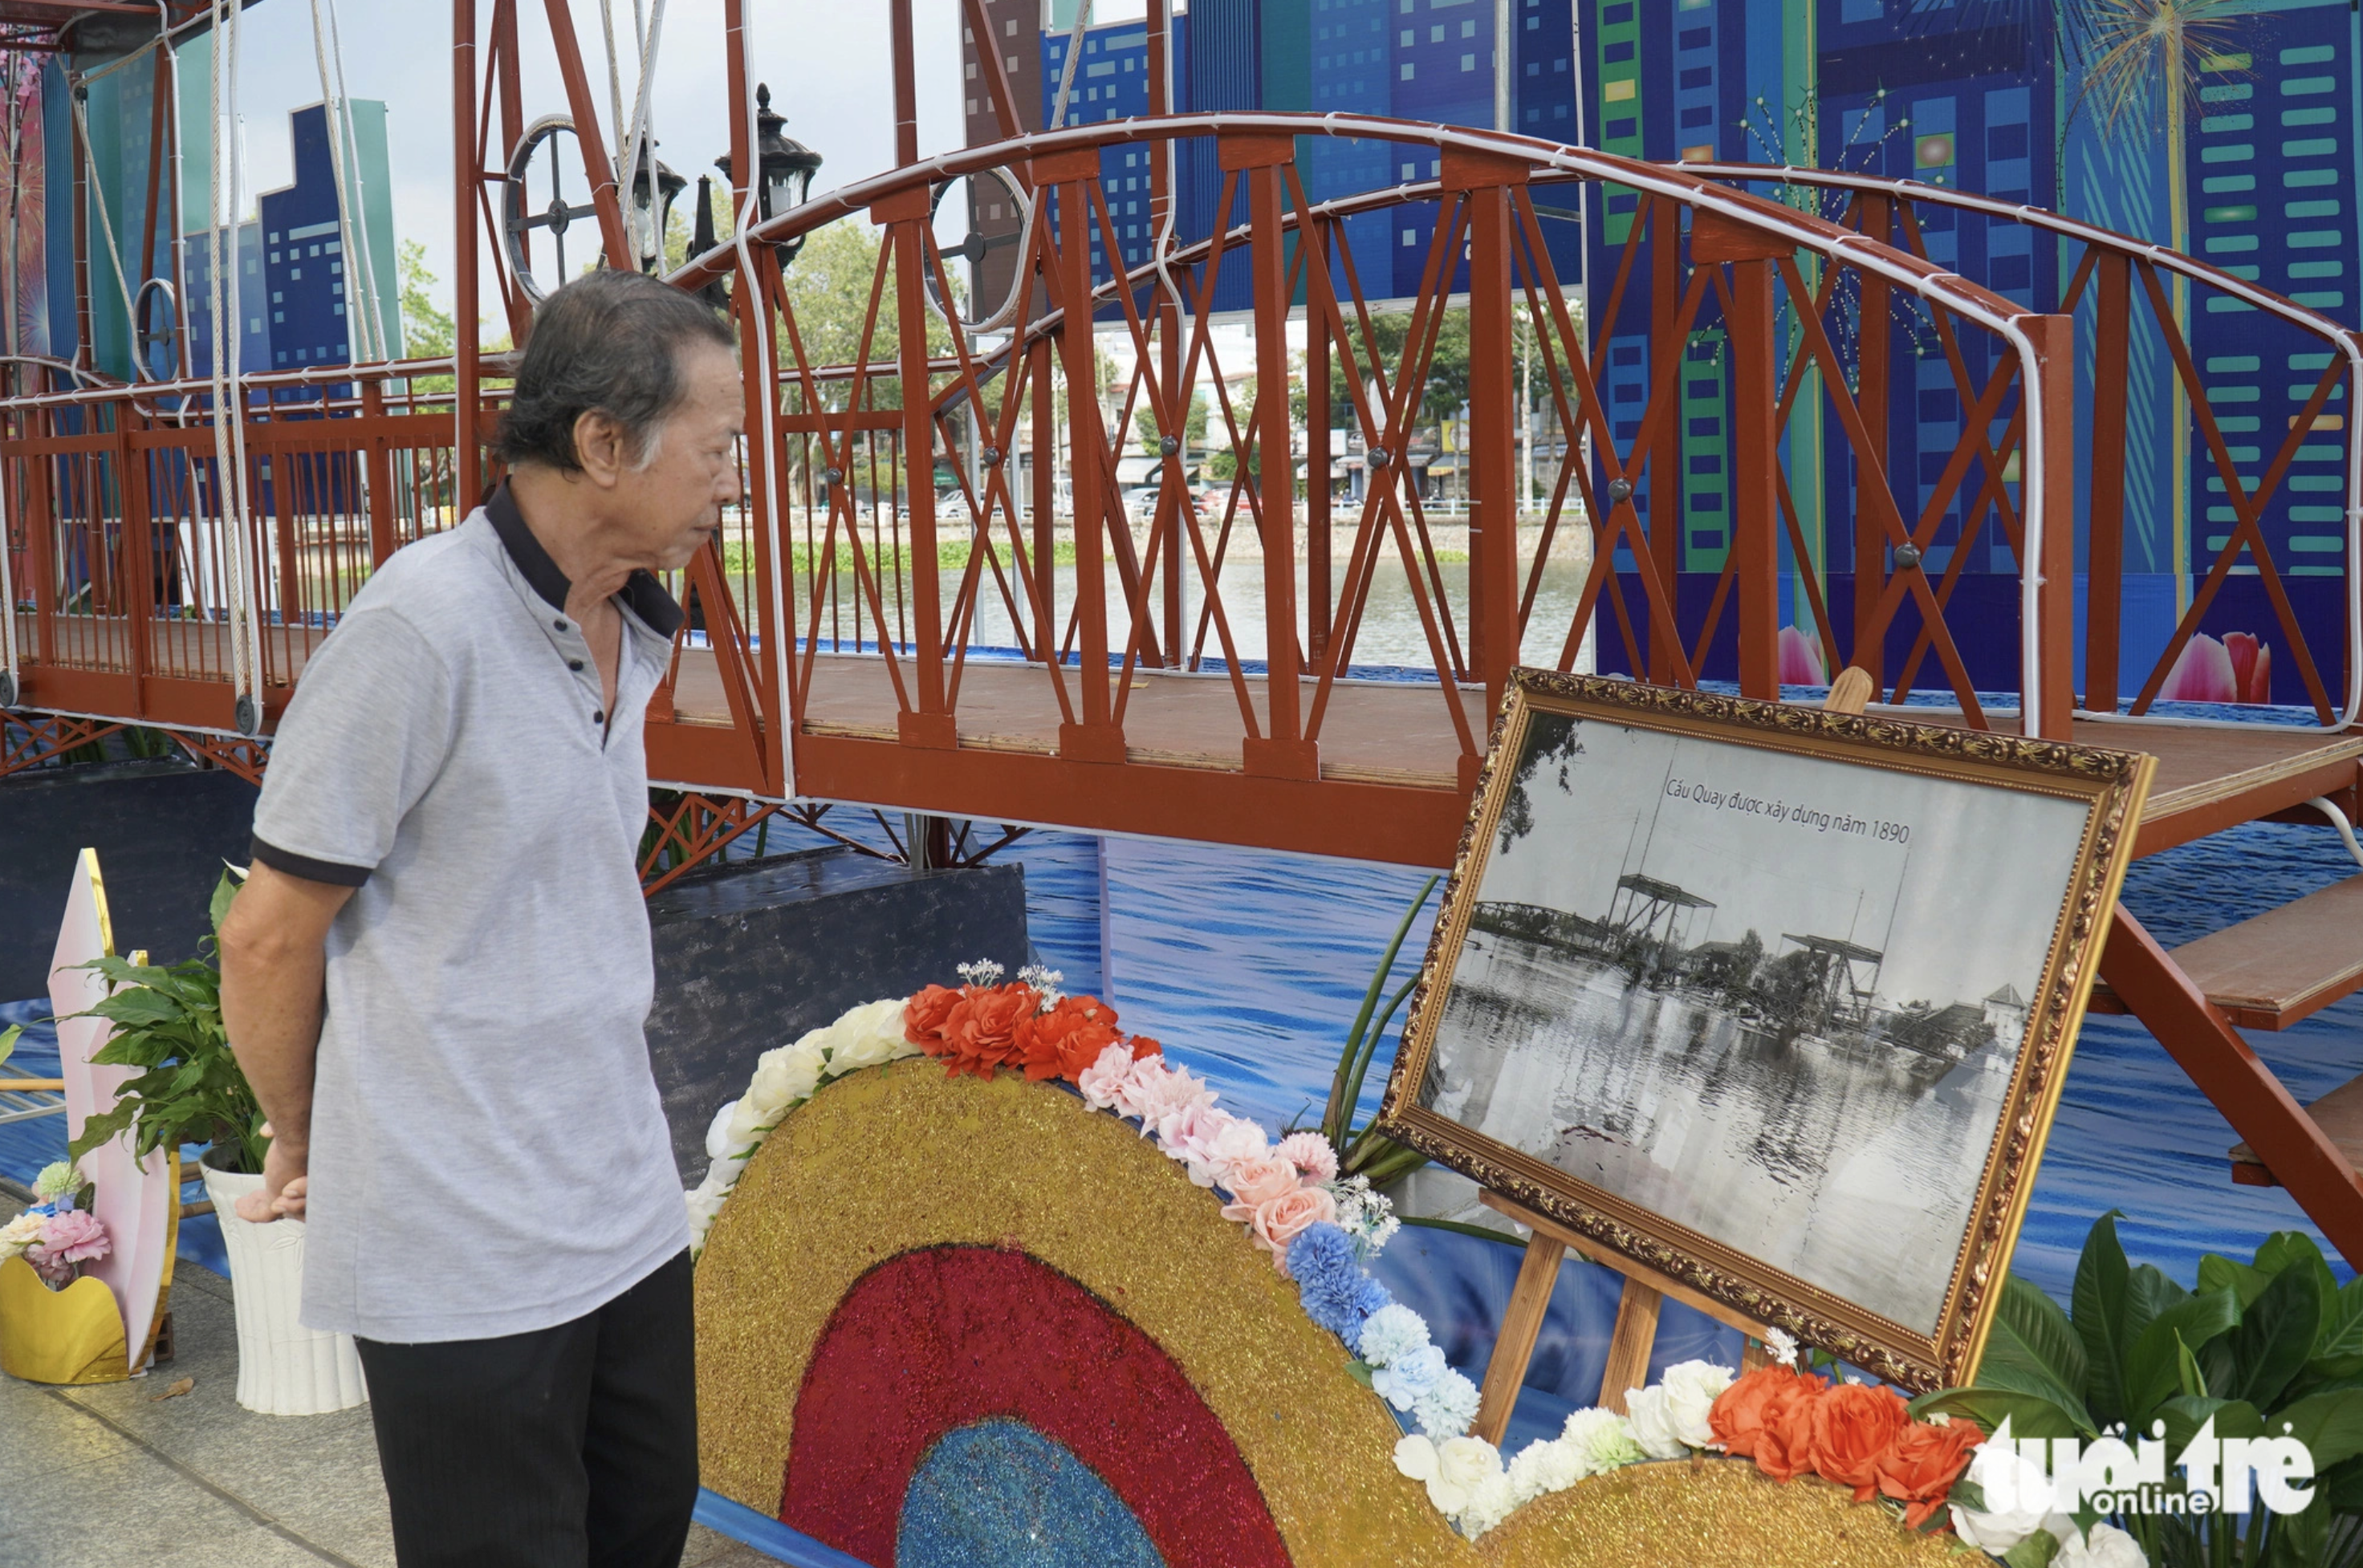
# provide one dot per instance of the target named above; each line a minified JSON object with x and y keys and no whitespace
{"x":932,"y":1298}
{"x":894,"y":1181}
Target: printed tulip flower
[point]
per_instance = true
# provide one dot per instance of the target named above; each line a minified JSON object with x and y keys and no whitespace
{"x":1801,"y":659}
{"x":2237,"y":670}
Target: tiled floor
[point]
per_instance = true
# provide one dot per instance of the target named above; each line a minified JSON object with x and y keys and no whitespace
{"x":112,"y":1474}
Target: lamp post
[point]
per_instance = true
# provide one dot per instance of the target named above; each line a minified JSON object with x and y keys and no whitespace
{"x":783,"y":170}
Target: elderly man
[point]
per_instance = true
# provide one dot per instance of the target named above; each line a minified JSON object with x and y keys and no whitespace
{"x":436,"y":976}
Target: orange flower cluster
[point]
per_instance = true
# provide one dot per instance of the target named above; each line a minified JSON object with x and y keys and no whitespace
{"x":1795,"y":1424}
{"x":976,"y":1029}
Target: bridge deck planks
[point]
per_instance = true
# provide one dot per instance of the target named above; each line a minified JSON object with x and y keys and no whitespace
{"x":1376,"y":732}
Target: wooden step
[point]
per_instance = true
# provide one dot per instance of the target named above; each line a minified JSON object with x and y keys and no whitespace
{"x":2286,"y":963}
{"x":2338,"y":1113}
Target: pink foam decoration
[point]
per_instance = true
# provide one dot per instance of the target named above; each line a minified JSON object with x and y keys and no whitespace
{"x":133,"y":1203}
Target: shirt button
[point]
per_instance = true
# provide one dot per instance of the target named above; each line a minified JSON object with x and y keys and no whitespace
{"x":575,"y":665}
{"x":559,"y":625}
{"x":597,"y":717}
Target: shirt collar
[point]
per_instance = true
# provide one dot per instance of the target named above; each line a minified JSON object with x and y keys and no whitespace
{"x":642,"y":594}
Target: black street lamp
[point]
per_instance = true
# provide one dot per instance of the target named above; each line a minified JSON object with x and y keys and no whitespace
{"x":784,"y":166}
{"x":652,"y":210}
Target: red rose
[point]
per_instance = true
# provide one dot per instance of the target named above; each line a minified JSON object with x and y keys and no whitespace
{"x":924,"y":1017}
{"x":1919,"y":1468}
{"x":1853,"y":1426}
{"x":1740,"y":1412}
{"x":1062,"y":1043}
{"x":981,"y":1032}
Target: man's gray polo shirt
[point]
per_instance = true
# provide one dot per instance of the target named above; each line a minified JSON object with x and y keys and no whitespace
{"x":489,"y":1155}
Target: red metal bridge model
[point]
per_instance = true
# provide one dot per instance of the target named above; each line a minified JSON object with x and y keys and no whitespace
{"x":175,"y":553}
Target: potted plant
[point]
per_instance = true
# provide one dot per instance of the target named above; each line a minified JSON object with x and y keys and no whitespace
{"x":168,"y":1024}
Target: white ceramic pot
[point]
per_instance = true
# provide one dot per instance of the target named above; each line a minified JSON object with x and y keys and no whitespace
{"x":283,"y":1368}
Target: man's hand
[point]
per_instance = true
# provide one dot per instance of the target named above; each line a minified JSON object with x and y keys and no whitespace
{"x":280,"y":1196}
{"x":275,"y":960}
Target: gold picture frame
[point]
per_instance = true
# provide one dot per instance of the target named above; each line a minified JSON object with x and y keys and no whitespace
{"x":1782,"y":1028}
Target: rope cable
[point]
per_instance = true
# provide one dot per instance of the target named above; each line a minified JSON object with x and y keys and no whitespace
{"x":228,"y":392}
{"x":106,"y":230}
{"x":640,"y":139}
{"x":615,"y":82}
{"x":361,"y":341}
{"x":366,"y":258}
{"x":1067,"y":72}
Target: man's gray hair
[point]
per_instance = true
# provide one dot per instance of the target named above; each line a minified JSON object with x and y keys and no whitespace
{"x":609,"y":341}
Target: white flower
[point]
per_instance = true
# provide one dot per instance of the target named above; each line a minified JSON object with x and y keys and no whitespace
{"x":20,"y":1233}
{"x":1391,"y":1333}
{"x":1690,"y":1389}
{"x":868,"y":1036}
{"x":2018,"y":1491}
{"x":1782,"y":1345}
{"x":2106,"y":1547}
{"x":785,"y":1076}
{"x":1601,"y":1439}
{"x":705,"y":1202}
{"x":1543,"y":1467}
{"x":57,"y":1178}
{"x":748,"y":1124}
{"x":1654,"y":1427}
{"x":1453,"y":1469}
{"x":1490,"y":1502}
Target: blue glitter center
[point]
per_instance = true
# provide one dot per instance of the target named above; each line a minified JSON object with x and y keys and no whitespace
{"x":1000,"y":1495}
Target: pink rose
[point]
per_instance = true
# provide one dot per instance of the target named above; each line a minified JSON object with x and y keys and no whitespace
{"x":1190,"y":1133}
{"x":1101,"y":1081}
{"x":1257,"y":1181}
{"x":1311,"y":1155}
{"x":1278,"y":1220}
{"x":1242,"y":1140}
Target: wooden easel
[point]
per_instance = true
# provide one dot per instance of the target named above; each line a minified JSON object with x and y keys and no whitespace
{"x":1644,"y":1288}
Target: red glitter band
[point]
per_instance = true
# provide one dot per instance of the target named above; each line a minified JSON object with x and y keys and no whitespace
{"x":939,"y":1339}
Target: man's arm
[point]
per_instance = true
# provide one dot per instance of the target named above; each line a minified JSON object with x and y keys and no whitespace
{"x":274,"y":965}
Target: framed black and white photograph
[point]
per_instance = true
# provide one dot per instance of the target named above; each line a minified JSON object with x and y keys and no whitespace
{"x":1773,"y":1000}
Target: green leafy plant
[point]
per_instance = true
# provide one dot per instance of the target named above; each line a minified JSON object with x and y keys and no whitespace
{"x":1361,"y":1150}
{"x":168,"y":1022}
{"x":2273,"y":1344}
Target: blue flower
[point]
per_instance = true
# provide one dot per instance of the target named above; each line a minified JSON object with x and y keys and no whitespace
{"x":1335,"y":1292}
{"x":1409,"y":1379}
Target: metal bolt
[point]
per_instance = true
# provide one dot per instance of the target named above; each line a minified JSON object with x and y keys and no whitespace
{"x":1380,"y":456}
{"x":1166,"y":446}
{"x":1907,"y":556}
{"x":1619,"y":490}
{"x":992,"y":456}
{"x":834,"y":476}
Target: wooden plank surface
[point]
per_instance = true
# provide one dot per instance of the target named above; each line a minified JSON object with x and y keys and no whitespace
{"x":2285,"y":964}
{"x":1376,"y":732}
{"x":2339,"y":1113}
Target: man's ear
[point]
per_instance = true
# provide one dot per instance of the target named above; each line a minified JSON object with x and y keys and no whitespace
{"x":600,"y":447}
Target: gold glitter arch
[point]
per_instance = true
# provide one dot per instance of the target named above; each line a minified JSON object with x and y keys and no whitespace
{"x":904,"y":1157}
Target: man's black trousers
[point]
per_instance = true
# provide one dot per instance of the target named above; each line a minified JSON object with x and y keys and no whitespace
{"x":565,"y":1447}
